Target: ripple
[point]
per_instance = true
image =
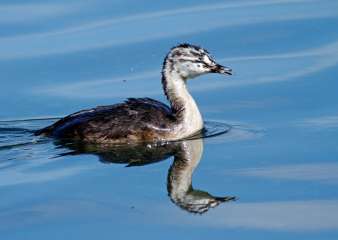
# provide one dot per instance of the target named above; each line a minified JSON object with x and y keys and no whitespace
{"x":14,"y":136}
{"x":211,"y":129}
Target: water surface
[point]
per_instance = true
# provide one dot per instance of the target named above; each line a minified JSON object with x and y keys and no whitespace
{"x":279,"y":159}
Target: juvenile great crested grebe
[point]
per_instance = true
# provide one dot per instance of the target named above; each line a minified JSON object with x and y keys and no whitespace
{"x":145,"y":119}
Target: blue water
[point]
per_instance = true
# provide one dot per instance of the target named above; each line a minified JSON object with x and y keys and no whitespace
{"x":279,"y":159}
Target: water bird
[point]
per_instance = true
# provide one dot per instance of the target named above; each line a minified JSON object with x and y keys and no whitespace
{"x":146,"y":119}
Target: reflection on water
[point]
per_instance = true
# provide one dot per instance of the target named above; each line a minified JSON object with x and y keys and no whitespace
{"x":187,"y":155}
{"x":180,"y":174}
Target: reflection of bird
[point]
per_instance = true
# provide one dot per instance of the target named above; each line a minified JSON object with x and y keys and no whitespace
{"x":145,"y":119}
{"x":179,"y":183}
{"x":187,"y":155}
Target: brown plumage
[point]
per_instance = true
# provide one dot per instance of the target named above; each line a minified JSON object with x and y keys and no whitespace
{"x":187,"y":155}
{"x":119,"y":123}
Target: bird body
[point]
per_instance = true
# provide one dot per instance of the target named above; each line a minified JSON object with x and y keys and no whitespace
{"x":145,"y":119}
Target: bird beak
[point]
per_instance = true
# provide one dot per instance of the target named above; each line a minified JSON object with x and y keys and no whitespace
{"x":221,"y":69}
{"x":226,"y":198}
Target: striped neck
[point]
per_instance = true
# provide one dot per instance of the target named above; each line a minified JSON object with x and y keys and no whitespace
{"x":182,"y":103}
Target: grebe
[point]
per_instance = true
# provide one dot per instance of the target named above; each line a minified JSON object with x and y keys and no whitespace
{"x":145,"y":119}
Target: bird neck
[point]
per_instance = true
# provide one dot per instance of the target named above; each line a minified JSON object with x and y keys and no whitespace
{"x":182,"y":103}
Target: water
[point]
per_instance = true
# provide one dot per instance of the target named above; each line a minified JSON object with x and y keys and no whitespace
{"x":279,"y":158}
